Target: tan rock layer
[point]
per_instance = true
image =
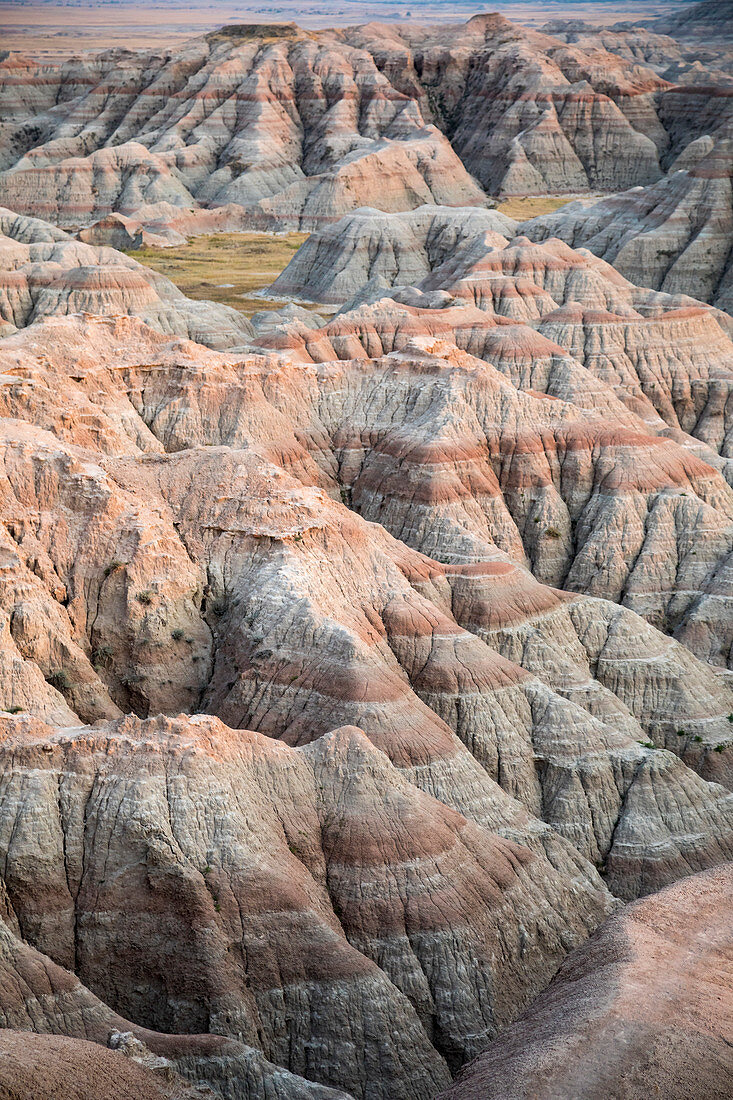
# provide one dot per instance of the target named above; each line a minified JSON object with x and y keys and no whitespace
{"x":643,"y":1007}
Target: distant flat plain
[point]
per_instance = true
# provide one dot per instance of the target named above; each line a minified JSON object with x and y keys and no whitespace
{"x":58,"y":30}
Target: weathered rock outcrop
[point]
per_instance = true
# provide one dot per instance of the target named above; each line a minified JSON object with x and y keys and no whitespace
{"x":709,"y":21}
{"x":298,"y":128}
{"x":644,"y":1008}
{"x":209,"y":577}
{"x":332,"y":907}
{"x":57,"y":1037}
{"x":117,"y":231}
{"x":383,"y":250}
{"x":682,"y":60}
{"x":44,"y":272}
{"x":295,"y":129}
{"x":674,"y":235}
{"x":353,"y":672}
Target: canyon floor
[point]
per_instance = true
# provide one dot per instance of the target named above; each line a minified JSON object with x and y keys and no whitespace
{"x":366,"y":554}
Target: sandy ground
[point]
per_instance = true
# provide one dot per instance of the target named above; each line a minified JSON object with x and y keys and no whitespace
{"x":57,"y":30}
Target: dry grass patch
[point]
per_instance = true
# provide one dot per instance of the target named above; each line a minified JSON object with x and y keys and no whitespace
{"x":225,"y":267}
{"x":525,"y":207}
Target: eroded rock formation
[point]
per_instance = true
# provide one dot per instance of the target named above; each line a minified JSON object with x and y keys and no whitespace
{"x":294,"y":128}
{"x":673,"y":236}
{"x":643,"y":1008}
{"x":205,"y":563}
{"x":353,"y":672}
{"x":46,"y":273}
{"x":331,"y":893}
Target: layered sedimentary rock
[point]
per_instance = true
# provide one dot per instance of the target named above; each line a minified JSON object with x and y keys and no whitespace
{"x":702,"y":59}
{"x":643,"y":1008}
{"x":352,"y":671}
{"x":45,"y":272}
{"x":204,"y":564}
{"x":117,"y":231}
{"x":667,"y":358}
{"x":332,"y":896}
{"x":523,"y":110}
{"x":296,"y":128}
{"x":48,"y":273}
{"x":709,"y":21}
{"x":674,"y":235}
{"x":57,"y":1038}
{"x":383,"y":250}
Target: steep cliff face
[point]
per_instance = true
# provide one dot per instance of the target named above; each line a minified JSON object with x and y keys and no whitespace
{"x":331,"y":894}
{"x":673,"y":236}
{"x":196,"y":557}
{"x":643,"y":1007}
{"x":300,"y":128}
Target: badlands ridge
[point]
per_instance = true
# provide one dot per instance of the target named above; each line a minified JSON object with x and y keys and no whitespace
{"x":367,"y":713}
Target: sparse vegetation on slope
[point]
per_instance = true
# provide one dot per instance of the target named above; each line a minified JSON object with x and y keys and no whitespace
{"x":228,"y":268}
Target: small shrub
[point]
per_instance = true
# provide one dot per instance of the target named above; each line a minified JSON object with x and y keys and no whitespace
{"x":113,"y":567}
{"x":730,"y":717}
{"x":553,"y":533}
{"x":682,"y":733}
{"x":59,"y":679}
{"x":219,"y":607}
{"x":13,"y":710}
{"x":719,"y":748}
{"x":177,"y":634}
{"x":648,"y":744}
{"x":697,"y":738}
{"x":206,"y":870}
{"x":101,"y":655}
{"x":146,"y":596}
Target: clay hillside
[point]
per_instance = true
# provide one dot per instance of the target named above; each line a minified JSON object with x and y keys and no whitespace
{"x":366,"y":656}
{"x":295,"y":126}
